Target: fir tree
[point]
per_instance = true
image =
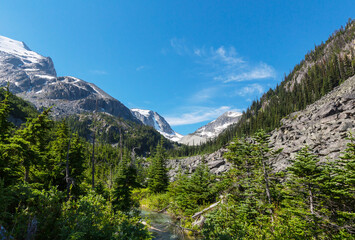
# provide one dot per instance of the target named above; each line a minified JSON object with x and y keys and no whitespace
{"x":158,"y":174}
{"x":124,"y":183}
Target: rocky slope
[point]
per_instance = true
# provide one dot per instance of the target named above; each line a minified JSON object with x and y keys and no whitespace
{"x":153,"y":119}
{"x":33,"y":77}
{"x":323,"y":126}
{"x":212,"y":129}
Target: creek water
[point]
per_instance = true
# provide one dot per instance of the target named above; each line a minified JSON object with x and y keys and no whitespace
{"x":164,"y":227}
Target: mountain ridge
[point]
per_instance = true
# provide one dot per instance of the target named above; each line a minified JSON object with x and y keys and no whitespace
{"x":212,"y":129}
{"x":153,"y":119}
{"x":34,"y":78}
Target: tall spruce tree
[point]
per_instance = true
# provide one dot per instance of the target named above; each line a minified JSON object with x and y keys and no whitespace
{"x":124,"y":183}
{"x":158,"y":174}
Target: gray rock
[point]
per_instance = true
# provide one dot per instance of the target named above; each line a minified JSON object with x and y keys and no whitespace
{"x":33,"y":77}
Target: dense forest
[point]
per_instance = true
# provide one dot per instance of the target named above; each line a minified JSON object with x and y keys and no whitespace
{"x":52,"y":186}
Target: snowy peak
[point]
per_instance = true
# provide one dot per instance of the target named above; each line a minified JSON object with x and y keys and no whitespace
{"x":153,"y":119}
{"x":18,"y":49}
{"x":212,"y":129}
{"x":33,"y":77}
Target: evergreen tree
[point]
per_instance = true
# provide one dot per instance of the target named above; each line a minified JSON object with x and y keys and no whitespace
{"x":124,"y":183}
{"x":158,"y":174}
{"x":5,"y":125}
{"x":304,"y":189}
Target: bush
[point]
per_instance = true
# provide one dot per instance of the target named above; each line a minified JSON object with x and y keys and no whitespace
{"x":91,"y":218}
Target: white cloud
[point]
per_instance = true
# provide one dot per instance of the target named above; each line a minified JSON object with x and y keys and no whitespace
{"x":260,"y":71}
{"x":251,"y":89}
{"x":224,"y":64}
{"x":197,"y":115}
{"x":204,"y":94}
{"x":227,"y":56}
{"x":98,"y":72}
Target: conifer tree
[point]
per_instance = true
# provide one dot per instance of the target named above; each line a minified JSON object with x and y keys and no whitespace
{"x":124,"y":183}
{"x":304,"y":190}
{"x":158,"y":174}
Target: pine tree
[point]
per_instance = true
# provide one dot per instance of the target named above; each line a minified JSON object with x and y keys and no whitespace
{"x":304,"y":189}
{"x":124,"y":183}
{"x":6,"y":166}
{"x":158,"y":174}
{"x":5,"y":108}
{"x":338,"y":187}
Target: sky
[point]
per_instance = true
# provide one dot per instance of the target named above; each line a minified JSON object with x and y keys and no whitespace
{"x":188,"y":60}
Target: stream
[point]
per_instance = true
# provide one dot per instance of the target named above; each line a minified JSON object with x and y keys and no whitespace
{"x":164,"y":227}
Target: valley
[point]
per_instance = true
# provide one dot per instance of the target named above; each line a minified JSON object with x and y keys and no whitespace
{"x":76,"y":163}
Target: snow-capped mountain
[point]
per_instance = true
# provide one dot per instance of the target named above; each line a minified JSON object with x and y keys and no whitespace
{"x":33,"y":77}
{"x":212,"y":129}
{"x":153,"y":119}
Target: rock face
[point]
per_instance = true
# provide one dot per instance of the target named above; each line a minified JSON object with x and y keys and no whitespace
{"x":212,"y":129}
{"x":215,"y":162}
{"x":153,"y":119}
{"x":33,"y":77}
{"x":323,"y":126}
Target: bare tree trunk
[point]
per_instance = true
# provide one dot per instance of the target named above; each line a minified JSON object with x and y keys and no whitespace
{"x":67,"y":171}
{"x":311,"y":203}
{"x":266,"y":179}
{"x":267,"y":189}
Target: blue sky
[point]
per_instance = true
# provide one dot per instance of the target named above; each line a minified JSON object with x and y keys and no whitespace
{"x":190,"y":61}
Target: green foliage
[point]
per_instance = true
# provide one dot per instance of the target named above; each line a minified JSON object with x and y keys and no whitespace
{"x":154,"y":201}
{"x":91,"y":218}
{"x":188,"y":194}
{"x":157,"y":173}
{"x":27,"y":205}
{"x":19,"y":108}
{"x":33,"y":182}
{"x":310,"y":200}
{"x":113,"y":130}
{"x":124,"y":183}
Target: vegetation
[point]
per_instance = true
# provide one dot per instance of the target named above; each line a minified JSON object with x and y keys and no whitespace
{"x":44,"y":184}
{"x":309,"y":200}
{"x":65,"y":180}
{"x":113,"y":130}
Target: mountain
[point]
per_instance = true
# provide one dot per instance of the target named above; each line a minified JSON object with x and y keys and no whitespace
{"x":212,"y":129}
{"x":324,"y":68}
{"x":153,"y":119}
{"x":33,"y":77}
{"x":322,"y":125}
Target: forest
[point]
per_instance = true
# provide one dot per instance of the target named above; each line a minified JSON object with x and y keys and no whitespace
{"x":60,"y":179}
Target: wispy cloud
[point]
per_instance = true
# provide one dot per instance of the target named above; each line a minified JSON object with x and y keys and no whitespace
{"x":140,"y":68}
{"x":204,"y":95}
{"x":180,"y":46}
{"x":250,"y":89}
{"x":260,"y":71}
{"x":98,"y":72}
{"x":197,"y":115}
{"x":223,"y":63}
{"x":227,"y":56}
